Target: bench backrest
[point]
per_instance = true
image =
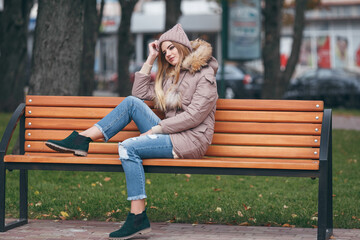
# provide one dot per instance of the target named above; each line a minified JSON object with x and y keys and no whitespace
{"x":254,"y":129}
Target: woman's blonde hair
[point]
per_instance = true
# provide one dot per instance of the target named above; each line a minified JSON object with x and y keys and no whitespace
{"x":164,"y":71}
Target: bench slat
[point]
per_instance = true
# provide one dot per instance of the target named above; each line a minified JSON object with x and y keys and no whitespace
{"x":214,"y":150}
{"x":221,"y":127}
{"x":230,"y":104}
{"x":219,"y":138}
{"x":268,"y":128}
{"x":71,"y":112}
{"x":231,"y":116}
{"x":273,"y":116}
{"x":206,"y":162}
{"x":271,"y":105}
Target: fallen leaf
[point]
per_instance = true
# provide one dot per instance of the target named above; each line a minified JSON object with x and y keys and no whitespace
{"x":188,"y":175}
{"x":217,"y":189}
{"x":286,"y":207}
{"x":63,"y":215}
{"x":218,"y":178}
{"x":314,"y":218}
{"x":288,"y":225}
{"x":153,"y":207}
{"x":246,"y":207}
{"x":239,"y":213}
{"x":244,"y":224}
{"x":148,"y":181}
{"x":107,"y":179}
{"x":36,"y":192}
{"x":93,"y":184}
{"x":218,"y":209}
{"x":293,"y":215}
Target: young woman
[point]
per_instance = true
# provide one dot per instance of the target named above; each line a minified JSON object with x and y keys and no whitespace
{"x":185,"y":90}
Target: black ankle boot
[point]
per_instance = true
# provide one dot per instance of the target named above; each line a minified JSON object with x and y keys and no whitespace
{"x":134,"y":224}
{"x":74,"y":143}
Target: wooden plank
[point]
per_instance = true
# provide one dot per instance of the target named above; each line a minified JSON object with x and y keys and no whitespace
{"x":208,"y":162}
{"x":57,"y":154}
{"x":103,"y":148}
{"x":44,"y":135}
{"x":262,"y":152}
{"x":67,"y":124}
{"x":214,"y":150}
{"x":266,"y":140}
{"x":220,"y":127}
{"x":219,"y":138}
{"x":71,"y":112}
{"x":231,"y":104}
{"x":76,"y":101}
{"x":270,"y":105}
{"x":268,"y":128}
{"x":262,"y":116}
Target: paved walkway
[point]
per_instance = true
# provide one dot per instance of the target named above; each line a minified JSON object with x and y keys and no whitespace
{"x":346,"y":122}
{"x":79,"y":230}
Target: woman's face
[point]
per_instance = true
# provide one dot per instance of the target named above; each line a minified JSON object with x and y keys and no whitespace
{"x":170,"y":52}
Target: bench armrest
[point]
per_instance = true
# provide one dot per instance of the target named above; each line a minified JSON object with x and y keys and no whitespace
{"x":19,"y":112}
{"x":326,"y":137}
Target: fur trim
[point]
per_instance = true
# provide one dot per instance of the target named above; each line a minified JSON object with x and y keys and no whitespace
{"x":199,"y":57}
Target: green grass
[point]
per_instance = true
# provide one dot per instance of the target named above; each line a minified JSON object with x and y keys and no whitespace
{"x":248,"y":200}
{"x":347,"y":112}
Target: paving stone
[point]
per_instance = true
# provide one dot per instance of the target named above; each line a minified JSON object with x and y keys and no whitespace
{"x":95,"y":230}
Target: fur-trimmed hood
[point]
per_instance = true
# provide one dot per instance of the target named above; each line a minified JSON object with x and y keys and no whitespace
{"x":201,"y":56}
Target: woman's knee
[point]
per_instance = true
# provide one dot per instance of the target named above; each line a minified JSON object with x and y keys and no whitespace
{"x":126,"y":149}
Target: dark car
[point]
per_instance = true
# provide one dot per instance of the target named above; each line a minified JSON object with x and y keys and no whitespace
{"x":257,"y":78}
{"x":336,"y":87}
{"x":235,"y":82}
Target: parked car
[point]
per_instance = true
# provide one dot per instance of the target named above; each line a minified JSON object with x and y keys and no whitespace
{"x":336,"y":87}
{"x":235,"y":82}
{"x":257,"y":79}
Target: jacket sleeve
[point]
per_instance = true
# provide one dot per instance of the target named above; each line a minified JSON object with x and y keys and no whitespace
{"x":143,"y":87}
{"x":202,"y":103}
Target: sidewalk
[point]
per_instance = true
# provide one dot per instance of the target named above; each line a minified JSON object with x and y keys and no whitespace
{"x":79,"y":230}
{"x":346,"y":122}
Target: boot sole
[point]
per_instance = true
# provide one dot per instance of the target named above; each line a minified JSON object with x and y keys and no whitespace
{"x":59,"y":148}
{"x":146,"y":230}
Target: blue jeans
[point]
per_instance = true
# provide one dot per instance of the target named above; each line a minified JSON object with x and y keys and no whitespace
{"x":133,"y":150}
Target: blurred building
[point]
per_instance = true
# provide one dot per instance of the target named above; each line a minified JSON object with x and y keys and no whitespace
{"x":200,"y":18}
{"x":331,"y":36}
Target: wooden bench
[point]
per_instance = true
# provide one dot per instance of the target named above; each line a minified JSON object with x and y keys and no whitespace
{"x":252,"y":137}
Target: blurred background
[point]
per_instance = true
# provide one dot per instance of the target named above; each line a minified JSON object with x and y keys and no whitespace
{"x":305,"y":49}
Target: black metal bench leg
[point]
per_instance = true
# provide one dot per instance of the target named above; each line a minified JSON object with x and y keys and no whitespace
{"x":2,"y":197}
{"x":24,"y":195}
{"x":23,"y":201}
{"x":325,"y":203}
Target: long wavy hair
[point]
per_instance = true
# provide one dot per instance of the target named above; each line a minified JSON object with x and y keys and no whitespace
{"x":165,"y":69}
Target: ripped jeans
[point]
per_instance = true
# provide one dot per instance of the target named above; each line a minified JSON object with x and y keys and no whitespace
{"x":133,"y":150}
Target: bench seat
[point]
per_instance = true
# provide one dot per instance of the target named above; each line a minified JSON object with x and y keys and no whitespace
{"x":252,"y":137}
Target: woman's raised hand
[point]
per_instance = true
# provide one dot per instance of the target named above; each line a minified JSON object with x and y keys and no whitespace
{"x":153,"y":52}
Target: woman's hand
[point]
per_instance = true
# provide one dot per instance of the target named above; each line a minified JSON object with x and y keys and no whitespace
{"x":153,"y":52}
{"x":147,"y":133}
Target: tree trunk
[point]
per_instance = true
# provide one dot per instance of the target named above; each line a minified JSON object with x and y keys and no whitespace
{"x":299,"y":25}
{"x":125,"y":47}
{"x":271,"y":49}
{"x":58,"y":48}
{"x":13,"y":48}
{"x":276,"y":80}
{"x":173,"y":12}
{"x":92,"y":21}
